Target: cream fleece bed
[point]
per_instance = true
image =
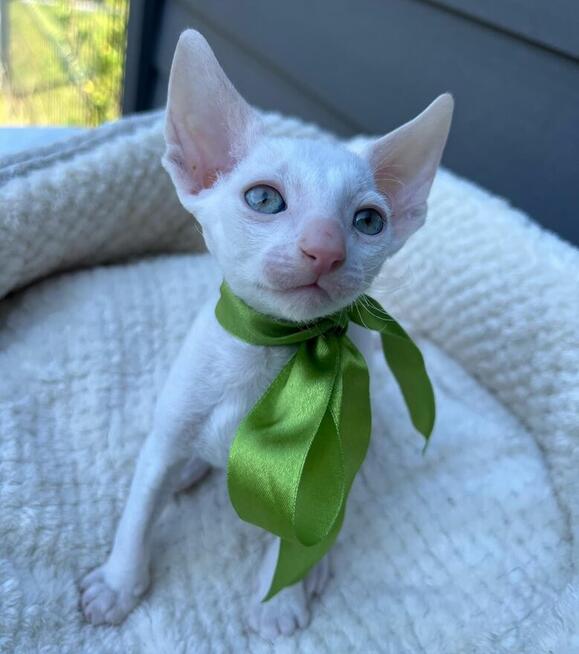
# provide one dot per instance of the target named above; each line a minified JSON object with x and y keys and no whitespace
{"x":472,"y":548}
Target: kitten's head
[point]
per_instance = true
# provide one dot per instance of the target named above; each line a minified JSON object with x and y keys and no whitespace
{"x":299,"y":227}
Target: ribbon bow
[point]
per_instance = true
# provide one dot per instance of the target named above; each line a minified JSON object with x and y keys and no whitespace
{"x":296,"y":453}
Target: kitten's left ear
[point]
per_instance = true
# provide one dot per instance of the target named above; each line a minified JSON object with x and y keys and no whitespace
{"x":404,"y":163}
{"x":208,"y":125}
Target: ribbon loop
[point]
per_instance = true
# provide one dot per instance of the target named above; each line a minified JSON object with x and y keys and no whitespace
{"x":296,"y":453}
{"x":271,"y":448}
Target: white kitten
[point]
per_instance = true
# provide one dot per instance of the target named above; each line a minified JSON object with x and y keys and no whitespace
{"x":300,"y":229}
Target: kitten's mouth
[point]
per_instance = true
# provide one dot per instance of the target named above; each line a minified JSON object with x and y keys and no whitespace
{"x":301,"y":302}
{"x":310,"y":288}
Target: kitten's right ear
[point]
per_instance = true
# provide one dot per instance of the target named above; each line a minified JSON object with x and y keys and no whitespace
{"x":208,"y":125}
{"x":405,"y":161}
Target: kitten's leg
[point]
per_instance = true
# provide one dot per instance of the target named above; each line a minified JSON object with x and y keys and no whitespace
{"x":111,"y":591}
{"x":289,"y":610}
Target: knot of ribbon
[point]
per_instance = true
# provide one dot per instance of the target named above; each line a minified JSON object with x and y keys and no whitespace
{"x":296,"y":453}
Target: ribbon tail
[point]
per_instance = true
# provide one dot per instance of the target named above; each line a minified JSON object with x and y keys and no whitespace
{"x":404,"y":360}
{"x":407,"y":365}
{"x":296,"y":556}
{"x":344,"y":434}
{"x":295,"y":560}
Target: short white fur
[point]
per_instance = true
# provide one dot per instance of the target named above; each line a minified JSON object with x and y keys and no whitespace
{"x":216,"y":150}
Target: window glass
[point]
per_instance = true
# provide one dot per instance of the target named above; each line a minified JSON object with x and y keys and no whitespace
{"x":62,"y":61}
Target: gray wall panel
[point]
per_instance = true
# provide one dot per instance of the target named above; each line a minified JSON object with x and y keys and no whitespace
{"x":551,"y":23}
{"x":254,"y":78}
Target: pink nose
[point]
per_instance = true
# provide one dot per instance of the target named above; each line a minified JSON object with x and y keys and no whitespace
{"x":322,"y":241}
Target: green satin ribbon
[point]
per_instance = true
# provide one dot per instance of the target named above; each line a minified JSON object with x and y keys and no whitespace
{"x":296,"y":453}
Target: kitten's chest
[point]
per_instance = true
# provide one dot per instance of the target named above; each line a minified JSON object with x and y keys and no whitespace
{"x":244,"y":375}
{"x":233,"y":375}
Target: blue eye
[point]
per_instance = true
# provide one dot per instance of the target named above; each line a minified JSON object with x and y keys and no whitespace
{"x":264,"y":199}
{"x":368,"y":221}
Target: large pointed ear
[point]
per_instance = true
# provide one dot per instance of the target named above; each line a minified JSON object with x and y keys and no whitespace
{"x":404,"y":163}
{"x":208,"y":125}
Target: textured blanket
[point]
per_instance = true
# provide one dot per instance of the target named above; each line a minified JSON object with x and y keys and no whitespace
{"x":472,"y":548}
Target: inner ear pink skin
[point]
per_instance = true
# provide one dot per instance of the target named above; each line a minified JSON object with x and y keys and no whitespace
{"x":322,"y":242}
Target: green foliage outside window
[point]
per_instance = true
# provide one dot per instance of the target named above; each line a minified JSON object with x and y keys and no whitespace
{"x":62,"y":61}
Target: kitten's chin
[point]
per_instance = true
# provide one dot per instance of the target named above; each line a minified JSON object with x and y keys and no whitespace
{"x":302,"y":303}
{"x":297,"y":304}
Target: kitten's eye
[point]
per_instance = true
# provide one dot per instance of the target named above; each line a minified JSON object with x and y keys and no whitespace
{"x":368,"y":221}
{"x":264,"y":199}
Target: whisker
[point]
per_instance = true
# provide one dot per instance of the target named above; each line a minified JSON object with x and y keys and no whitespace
{"x":370,"y":308}
{"x":372,"y":312}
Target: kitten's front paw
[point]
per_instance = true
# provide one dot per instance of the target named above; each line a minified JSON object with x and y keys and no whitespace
{"x":105,"y":602}
{"x":318,"y":576}
{"x":289,"y":610}
{"x":283,"y":614}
